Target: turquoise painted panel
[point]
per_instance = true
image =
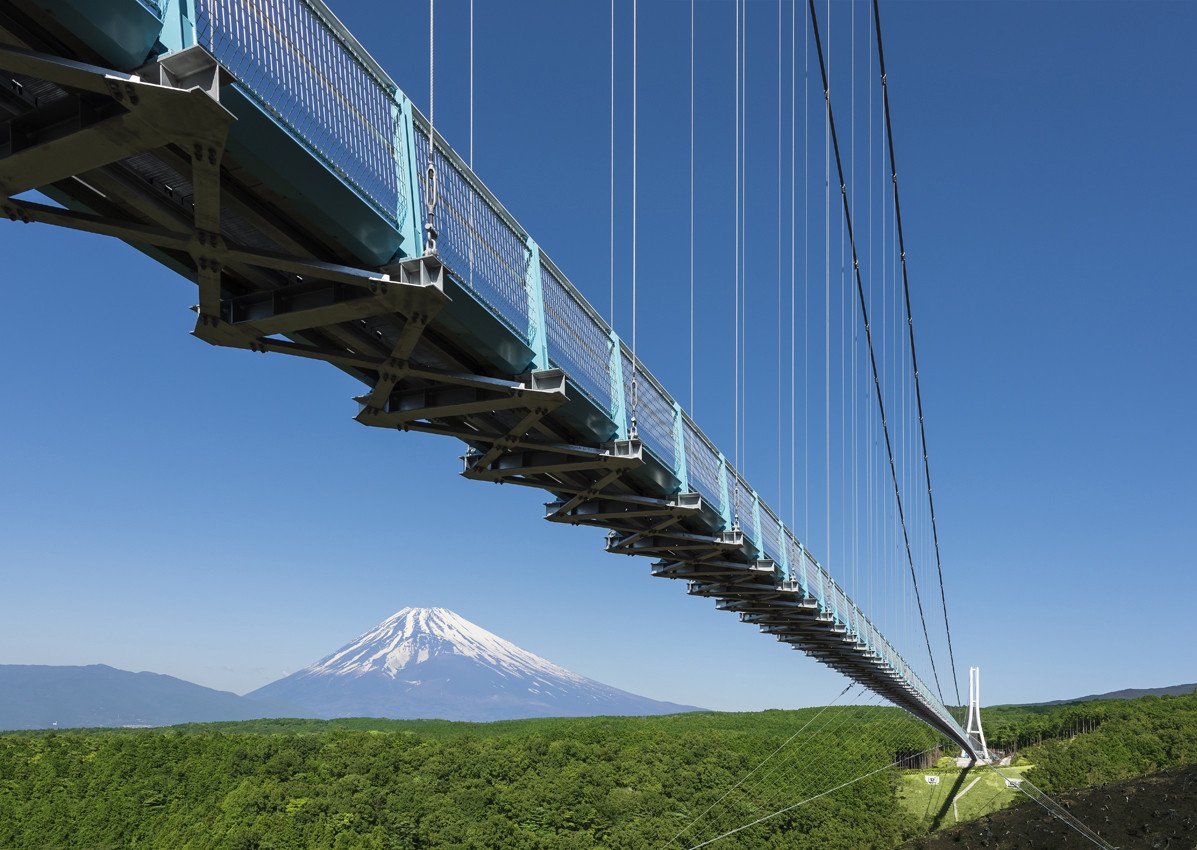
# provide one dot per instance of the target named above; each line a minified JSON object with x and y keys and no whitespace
{"x":311,"y":77}
{"x":123,"y":32}
{"x":273,"y":154}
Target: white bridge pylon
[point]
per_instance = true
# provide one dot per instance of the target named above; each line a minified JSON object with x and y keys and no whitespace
{"x":973,"y":727}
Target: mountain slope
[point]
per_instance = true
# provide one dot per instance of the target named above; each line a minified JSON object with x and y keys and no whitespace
{"x":432,"y":663}
{"x":1129,"y":693}
{"x":35,"y":696}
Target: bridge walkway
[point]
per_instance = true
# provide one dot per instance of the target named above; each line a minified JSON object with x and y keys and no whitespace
{"x":289,"y":190}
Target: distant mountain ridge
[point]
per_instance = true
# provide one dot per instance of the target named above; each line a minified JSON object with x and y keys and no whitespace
{"x":433,"y":663}
{"x":420,"y":663}
{"x":1129,"y":693}
{"x":37,"y":696}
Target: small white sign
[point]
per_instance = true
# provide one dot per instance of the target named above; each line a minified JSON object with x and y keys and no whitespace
{"x":931,"y":780}
{"x":1013,"y":783}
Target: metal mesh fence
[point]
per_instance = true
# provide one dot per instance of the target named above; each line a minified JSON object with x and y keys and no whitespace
{"x":475,"y":240}
{"x":845,"y":609}
{"x":578,"y":342}
{"x":702,"y":465}
{"x":655,"y":419}
{"x":819,"y":580}
{"x":770,"y":535}
{"x":654,"y":412}
{"x":288,"y":58}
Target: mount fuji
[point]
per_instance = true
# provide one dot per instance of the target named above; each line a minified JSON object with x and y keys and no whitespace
{"x":432,"y":663}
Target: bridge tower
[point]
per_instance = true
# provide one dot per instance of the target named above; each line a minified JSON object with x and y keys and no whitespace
{"x":973,"y":727}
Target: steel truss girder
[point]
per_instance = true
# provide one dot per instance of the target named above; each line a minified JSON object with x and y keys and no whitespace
{"x":733,"y":589}
{"x":470,"y":434}
{"x":118,"y":116}
{"x":679,"y":545}
{"x":461,"y":405}
{"x":776,"y":615}
{"x":439,"y":398}
{"x":660,"y":539}
{"x":545,"y":467}
{"x":135,"y":116}
{"x":449,"y":401}
{"x":727,"y":570}
{"x":620,"y":512}
{"x":409,"y":290}
{"x":215,"y":249}
{"x":834,"y":635}
{"x":307,"y":305}
{"x":527,"y":464}
{"x":750,"y":607}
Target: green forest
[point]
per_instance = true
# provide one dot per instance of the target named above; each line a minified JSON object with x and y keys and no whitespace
{"x":558,"y":783}
{"x":1092,"y":743}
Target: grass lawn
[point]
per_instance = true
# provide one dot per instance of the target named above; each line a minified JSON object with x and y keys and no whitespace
{"x":982,"y":791}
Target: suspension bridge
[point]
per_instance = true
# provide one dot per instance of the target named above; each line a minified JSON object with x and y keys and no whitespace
{"x":255,"y":148}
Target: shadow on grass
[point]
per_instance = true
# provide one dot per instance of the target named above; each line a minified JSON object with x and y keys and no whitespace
{"x":937,"y":821}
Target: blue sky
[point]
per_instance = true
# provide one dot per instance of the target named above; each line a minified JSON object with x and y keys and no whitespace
{"x":218,"y":516}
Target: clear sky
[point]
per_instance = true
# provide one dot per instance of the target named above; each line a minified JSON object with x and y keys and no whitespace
{"x":218,"y":516}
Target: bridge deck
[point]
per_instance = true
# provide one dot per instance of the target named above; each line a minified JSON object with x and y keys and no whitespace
{"x":291,"y":192}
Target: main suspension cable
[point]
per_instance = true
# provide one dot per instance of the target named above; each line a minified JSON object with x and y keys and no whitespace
{"x":869,"y":338}
{"x":918,"y":393}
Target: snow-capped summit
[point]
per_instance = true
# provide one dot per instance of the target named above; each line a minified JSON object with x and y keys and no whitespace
{"x":433,"y":663}
{"x":413,"y":636}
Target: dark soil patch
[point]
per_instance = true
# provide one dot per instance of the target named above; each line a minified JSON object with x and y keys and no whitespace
{"x":1154,"y":812}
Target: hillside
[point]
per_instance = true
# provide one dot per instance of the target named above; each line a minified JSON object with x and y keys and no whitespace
{"x":610,"y":782}
{"x":576,"y":783}
{"x":1149,"y":811}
